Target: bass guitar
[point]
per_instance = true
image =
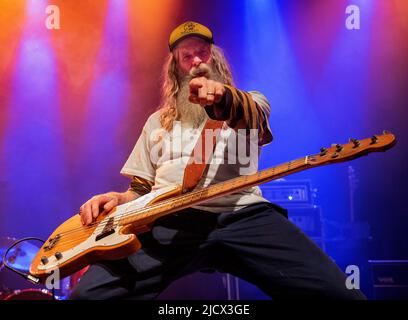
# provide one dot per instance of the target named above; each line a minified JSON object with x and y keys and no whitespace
{"x":113,"y":235}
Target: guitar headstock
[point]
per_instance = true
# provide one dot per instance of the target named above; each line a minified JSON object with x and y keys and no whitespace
{"x":353,"y":149}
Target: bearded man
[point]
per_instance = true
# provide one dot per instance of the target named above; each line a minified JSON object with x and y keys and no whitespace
{"x":242,"y":234}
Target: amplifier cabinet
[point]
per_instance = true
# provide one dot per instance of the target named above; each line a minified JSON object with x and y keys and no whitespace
{"x":308,"y":219}
{"x":390,"y":279}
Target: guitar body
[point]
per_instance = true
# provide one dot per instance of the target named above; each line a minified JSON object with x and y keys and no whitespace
{"x":73,"y":246}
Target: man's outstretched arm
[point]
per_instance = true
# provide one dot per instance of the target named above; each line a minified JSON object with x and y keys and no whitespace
{"x":238,"y":108}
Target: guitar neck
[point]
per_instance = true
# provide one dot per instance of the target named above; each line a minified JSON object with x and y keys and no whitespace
{"x":151,"y":213}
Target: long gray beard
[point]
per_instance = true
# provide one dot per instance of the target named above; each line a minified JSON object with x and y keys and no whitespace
{"x":191,"y":113}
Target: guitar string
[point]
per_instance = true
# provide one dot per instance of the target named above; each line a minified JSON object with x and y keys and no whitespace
{"x":142,"y":211}
{"x":189,"y":195}
{"x":83,"y":236}
{"x":102,"y":224}
{"x":83,"y":231}
{"x":304,"y":160}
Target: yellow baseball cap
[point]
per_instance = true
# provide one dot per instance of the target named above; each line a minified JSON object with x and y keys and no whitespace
{"x":187,"y":29}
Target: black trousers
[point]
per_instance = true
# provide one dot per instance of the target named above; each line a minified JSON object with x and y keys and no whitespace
{"x":257,"y":244}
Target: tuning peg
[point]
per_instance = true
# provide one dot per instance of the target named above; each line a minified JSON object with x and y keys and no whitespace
{"x":339,"y":147}
{"x":323,"y":151}
{"x":374,"y":139}
{"x":356,"y":143}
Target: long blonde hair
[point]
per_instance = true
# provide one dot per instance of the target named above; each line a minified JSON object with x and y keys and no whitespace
{"x":171,"y":85}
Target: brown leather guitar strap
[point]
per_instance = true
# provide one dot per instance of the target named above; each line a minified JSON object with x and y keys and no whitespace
{"x":201,"y":155}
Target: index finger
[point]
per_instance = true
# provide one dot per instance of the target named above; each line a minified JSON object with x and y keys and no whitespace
{"x":195,"y":84}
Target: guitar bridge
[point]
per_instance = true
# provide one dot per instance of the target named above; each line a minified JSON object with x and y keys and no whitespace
{"x":52,"y":242}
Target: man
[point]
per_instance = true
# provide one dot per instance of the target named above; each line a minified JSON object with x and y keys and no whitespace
{"x":242,"y":234}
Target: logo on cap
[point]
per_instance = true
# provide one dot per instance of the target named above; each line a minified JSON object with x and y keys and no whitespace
{"x":189,"y":27}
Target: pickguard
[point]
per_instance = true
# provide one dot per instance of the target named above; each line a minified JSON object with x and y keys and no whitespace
{"x":108,"y":235}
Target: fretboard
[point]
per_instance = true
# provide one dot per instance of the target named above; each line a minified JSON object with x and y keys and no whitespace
{"x":150,"y":213}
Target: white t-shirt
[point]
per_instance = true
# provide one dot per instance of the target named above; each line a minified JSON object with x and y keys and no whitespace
{"x":162,"y":156}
